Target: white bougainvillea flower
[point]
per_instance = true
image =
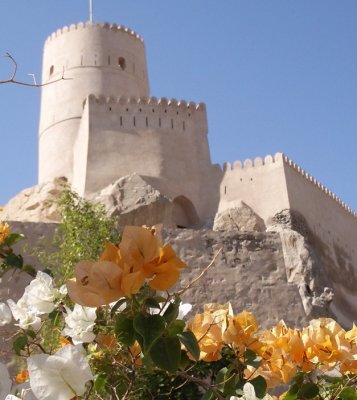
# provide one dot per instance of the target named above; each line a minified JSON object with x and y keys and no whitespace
{"x":249,"y":394}
{"x":5,"y":382}
{"x":40,"y":294}
{"x":26,"y":317}
{"x":61,"y":376}
{"x":23,"y":392}
{"x":5,"y":314}
{"x":184,"y":309}
{"x":80,"y":323}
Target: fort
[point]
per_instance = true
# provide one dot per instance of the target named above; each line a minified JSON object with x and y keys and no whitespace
{"x":100,"y":125}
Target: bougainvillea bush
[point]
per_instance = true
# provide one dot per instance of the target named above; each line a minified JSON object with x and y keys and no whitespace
{"x":117,"y":329}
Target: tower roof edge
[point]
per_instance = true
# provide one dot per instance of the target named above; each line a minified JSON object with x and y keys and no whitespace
{"x":88,"y":25}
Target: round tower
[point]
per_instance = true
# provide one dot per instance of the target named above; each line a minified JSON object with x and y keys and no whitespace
{"x":104,"y":60}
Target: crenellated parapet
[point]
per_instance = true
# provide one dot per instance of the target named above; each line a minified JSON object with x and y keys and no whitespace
{"x":311,"y":180}
{"x":163,"y":103}
{"x":250,"y":163}
{"x":151,"y":113}
{"x":89,"y":25}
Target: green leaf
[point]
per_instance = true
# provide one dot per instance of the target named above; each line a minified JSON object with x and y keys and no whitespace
{"x":166,"y":353}
{"x":251,"y":358}
{"x":308,"y":390}
{"x":19,"y":344}
{"x":124,"y":330}
{"x":14,"y":260}
{"x":99,"y":384}
{"x":31,"y":334}
{"x":176,"y":327}
{"x":260,"y":386}
{"x":227,"y":382}
{"x":348,"y":393}
{"x":292,"y":392}
{"x":185,"y":361}
{"x":150,"y":328}
{"x":12,"y":239}
{"x":188,"y":339}
{"x":152,"y":303}
{"x":208,"y":396}
{"x":171,"y":312}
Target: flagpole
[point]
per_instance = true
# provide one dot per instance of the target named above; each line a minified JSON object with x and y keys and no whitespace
{"x":91,"y":11}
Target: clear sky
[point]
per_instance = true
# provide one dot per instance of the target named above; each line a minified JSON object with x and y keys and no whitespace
{"x":276,"y":75}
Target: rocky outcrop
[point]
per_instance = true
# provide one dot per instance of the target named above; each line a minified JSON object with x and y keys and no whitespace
{"x":274,"y":274}
{"x":36,"y":204}
{"x":136,"y":202}
{"x":238,"y":218}
{"x":131,"y":197}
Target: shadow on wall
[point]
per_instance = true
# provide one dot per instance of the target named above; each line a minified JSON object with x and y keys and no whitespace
{"x":184,"y":213}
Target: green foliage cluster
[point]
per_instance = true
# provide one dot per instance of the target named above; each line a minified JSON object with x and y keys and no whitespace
{"x":81,"y":234}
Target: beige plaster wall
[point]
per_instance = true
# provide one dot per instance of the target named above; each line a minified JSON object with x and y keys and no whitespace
{"x":260,"y":184}
{"x":88,"y":57}
{"x":161,"y":139}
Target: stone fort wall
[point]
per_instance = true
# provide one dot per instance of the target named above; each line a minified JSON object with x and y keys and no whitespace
{"x":165,"y":140}
{"x":272,"y":184}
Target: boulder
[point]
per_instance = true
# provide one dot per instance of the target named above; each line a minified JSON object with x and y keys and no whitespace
{"x":36,"y":204}
{"x":136,"y":202}
{"x":238,"y":218}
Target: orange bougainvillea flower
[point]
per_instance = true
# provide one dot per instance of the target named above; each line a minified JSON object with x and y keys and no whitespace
{"x":4,"y":231}
{"x":165,"y":269}
{"x":95,"y":283}
{"x":23,"y":376}
{"x":324,"y":342}
{"x":241,"y":332}
{"x":122,"y":270}
{"x":209,"y":329}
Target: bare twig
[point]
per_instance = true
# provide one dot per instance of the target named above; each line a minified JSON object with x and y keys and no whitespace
{"x":191,"y":284}
{"x":12,"y":77}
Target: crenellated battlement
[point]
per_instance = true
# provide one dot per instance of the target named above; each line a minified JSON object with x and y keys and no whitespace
{"x":257,"y":162}
{"x":163,"y":103}
{"x":280,"y":158}
{"x":320,"y":186}
{"x":89,"y":25}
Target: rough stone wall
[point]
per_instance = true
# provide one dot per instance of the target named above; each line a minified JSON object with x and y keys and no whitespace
{"x":273,"y":275}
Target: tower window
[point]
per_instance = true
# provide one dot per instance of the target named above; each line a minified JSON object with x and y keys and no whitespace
{"x":108,"y":60}
{"x":122,"y":63}
{"x":52,"y":69}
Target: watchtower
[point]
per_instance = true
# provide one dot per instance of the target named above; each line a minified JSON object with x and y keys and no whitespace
{"x":99,"y":123}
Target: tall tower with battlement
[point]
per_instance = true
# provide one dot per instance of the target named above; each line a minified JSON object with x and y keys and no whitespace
{"x":102,"y":60}
{"x":100,"y":123}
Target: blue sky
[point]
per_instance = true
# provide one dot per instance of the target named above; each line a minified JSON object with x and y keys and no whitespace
{"x":276,"y":75}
